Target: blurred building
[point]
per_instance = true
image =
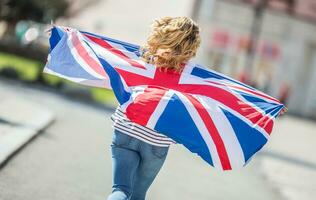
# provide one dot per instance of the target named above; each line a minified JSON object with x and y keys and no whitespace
{"x":284,"y":63}
{"x":285,"y":56}
{"x":126,"y":20}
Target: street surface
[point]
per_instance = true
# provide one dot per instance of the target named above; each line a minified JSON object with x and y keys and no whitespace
{"x":71,"y":160}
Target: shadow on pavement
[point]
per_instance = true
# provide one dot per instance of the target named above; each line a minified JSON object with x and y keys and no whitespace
{"x":289,"y":159}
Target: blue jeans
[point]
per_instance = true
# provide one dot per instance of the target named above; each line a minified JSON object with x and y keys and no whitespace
{"x":135,"y":165}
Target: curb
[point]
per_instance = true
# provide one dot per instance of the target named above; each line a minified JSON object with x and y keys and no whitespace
{"x":14,"y":137}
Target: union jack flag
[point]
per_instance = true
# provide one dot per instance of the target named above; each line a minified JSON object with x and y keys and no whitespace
{"x":222,"y":120}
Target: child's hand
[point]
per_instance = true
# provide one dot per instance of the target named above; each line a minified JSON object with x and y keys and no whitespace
{"x":283,"y":111}
{"x":48,"y":29}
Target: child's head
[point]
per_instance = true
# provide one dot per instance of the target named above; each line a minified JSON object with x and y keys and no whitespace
{"x":171,"y":42}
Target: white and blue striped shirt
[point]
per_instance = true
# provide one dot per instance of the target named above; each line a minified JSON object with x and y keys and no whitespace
{"x":150,"y":136}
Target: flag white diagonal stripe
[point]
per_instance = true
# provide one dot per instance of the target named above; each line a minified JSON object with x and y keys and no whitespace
{"x":202,"y":129}
{"x":225,"y":130}
{"x":159,"y":109}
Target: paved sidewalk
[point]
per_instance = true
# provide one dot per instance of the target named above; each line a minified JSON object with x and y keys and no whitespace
{"x":289,"y":159}
{"x":71,"y":160}
{"x":74,"y":162}
{"x":20,"y":120}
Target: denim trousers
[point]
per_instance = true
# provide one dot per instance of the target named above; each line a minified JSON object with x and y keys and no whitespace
{"x":135,"y":164}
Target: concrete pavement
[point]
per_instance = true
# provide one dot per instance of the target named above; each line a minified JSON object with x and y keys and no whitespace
{"x":71,"y":160}
{"x":20,"y":120}
{"x":289,"y":159}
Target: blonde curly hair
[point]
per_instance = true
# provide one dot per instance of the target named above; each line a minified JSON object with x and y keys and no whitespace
{"x":172,"y":42}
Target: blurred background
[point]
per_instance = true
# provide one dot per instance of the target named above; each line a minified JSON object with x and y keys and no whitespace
{"x":269,"y":44}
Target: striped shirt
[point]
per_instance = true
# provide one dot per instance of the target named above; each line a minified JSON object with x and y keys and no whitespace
{"x":150,"y":136}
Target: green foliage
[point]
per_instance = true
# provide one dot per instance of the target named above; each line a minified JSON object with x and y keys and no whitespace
{"x":103,"y":96}
{"x":27,"y":69}
{"x":52,"y":80}
{"x":36,"y":10}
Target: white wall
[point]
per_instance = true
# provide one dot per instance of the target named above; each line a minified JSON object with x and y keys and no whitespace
{"x":127,"y":20}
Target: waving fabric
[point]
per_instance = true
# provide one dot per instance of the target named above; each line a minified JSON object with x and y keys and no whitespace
{"x":222,"y":120}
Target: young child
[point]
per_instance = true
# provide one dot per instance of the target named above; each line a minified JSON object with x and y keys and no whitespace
{"x":138,"y":152}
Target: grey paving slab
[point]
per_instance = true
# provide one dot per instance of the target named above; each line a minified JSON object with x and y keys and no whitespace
{"x":289,"y":162}
{"x":20,"y":121}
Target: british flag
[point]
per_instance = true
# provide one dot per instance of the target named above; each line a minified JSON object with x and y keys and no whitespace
{"x":222,"y":120}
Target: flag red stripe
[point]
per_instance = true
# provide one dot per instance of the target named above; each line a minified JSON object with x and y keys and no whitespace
{"x":133,"y":79}
{"x":144,"y":105}
{"x":247,"y":90}
{"x":84,"y":54}
{"x":231,"y":101}
{"x":266,"y":123}
{"x":220,"y":146}
{"x":115,"y":51}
